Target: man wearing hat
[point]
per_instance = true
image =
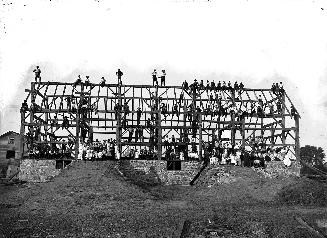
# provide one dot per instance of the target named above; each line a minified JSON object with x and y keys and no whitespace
{"x":119,"y":74}
{"x":103,"y":82}
{"x":37,"y":72}
{"x":154,"y":77}
{"x":163,"y":77}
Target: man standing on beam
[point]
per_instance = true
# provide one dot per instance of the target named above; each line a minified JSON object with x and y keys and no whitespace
{"x":37,"y":72}
{"x":154,"y":77}
{"x":119,"y":74}
{"x":163,"y":77}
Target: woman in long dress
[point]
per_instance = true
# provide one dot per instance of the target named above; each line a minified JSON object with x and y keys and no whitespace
{"x":224,"y":157}
{"x":89,"y":153}
{"x":232,"y":159}
{"x":80,"y":151}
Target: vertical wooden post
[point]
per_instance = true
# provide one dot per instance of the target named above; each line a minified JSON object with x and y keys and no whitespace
{"x":200,"y":136}
{"x":22,"y":132}
{"x":233,"y":121}
{"x":158,"y":124}
{"x":233,"y":129}
{"x":283,"y":119}
{"x":78,"y":105}
{"x":297,"y":137}
{"x":46,"y":117}
{"x":272,"y":138}
{"x":119,"y":129}
{"x":197,"y":116}
{"x":89,"y":106}
{"x":243,"y":133}
{"x":262,"y":129}
{"x":91,"y":133}
{"x":185,"y":130}
{"x":218,"y":129}
{"x":32,"y":114}
{"x":159,"y":136}
{"x":194,"y":105}
{"x":77,"y":138}
{"x":133,"y":106}
{"x":181,"y":132}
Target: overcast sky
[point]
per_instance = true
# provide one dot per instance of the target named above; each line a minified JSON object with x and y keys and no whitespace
{"x":258,"y":42}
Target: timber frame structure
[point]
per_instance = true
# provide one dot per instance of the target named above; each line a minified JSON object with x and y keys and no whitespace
{"x":97,"y":113}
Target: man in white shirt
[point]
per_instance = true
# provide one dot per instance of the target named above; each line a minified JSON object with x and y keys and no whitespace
{"x":181,"y":155}
{"x":117,"y":152}
{"x":287,"y":162}
{"x":37,"y":73}
{"x":163,"y":78}
{"x":287,"y":159}
{"x":232,"y":159}
{"x":136,"y":154}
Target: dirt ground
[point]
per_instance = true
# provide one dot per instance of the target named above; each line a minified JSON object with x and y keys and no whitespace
{"x":93,"y":200}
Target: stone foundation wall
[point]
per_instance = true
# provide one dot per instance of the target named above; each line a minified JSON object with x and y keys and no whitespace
{"x":158,"y":169}
{"x":276,"y":169}
{"x":37,"y":170}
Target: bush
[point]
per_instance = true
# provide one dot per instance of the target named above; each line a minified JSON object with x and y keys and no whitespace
{"x":304,"y":192}
{"x":3,"y":171}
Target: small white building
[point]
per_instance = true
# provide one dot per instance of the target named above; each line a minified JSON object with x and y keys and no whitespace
{"x":9,"y":152}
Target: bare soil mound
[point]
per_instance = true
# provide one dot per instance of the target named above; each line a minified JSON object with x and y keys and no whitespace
{"x":92,"y":199}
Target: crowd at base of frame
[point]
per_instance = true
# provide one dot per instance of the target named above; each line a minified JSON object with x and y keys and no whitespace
{"x":213,"y":153}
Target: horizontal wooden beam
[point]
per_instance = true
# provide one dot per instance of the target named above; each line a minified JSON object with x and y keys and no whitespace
{"x":105,"y":132}
{"x":54,"y":157}
{"x":149,"y":99}
{"x":273,"y":123}
{"x":149,"y":86}
{"x":152,"y":112}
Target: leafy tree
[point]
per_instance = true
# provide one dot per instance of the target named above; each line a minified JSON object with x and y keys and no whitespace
{"x":312,"y":154}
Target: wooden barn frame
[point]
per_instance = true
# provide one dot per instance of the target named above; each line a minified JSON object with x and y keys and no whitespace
{"x":110,"y":110}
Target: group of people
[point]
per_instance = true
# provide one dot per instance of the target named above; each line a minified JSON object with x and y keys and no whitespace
{"x":119,"y":74}
{"x":108,"y":149}
{"x":97,"y":150}
{"x":277,"y":89}
{"x":88,"y":150}
{"x":87,"y":82}
{"x":225,"y":154}
{"x":141,"y":154}
{"x":56,"y":149}
{"x":162,"y":77}
{"x":216,"y":105}
{"x":197,"y":87}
